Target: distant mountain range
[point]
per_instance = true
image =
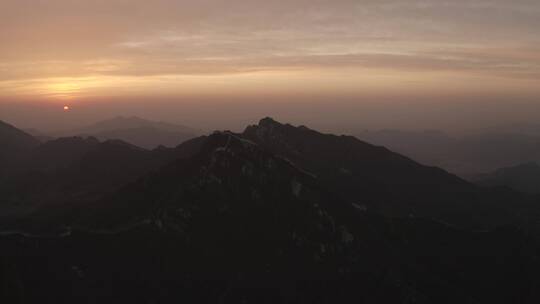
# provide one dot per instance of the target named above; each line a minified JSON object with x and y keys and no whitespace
{"x":137,"y":131}
{"x":468,"y":155}
{"x":524,"y":178}
{"x":275,"y":214}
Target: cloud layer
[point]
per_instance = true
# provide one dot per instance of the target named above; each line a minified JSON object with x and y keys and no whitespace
{"x":59,"y":42}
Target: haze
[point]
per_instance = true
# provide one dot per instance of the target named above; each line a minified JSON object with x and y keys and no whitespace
{"x":337,"y":65}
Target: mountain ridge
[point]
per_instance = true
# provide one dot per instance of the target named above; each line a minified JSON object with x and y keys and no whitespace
{"x":137,"y":131}
{"x":523,"y":177}
{"x":339,"y":159}
{"x":231,"y":220}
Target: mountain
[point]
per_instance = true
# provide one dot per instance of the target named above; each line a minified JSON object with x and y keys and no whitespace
{"x":58,"y":153}
{"x":234,"y":222}
{"x":68,"y":172}
{"x":524,"y":178}
{"x":382,"y":180}
{"x":138,"y":131}
{"x":223,"y":168}
{"x":74,"y":171}
{"x":13,"y":142}
{"x":468,"y":155}
{"x":489,"y":151}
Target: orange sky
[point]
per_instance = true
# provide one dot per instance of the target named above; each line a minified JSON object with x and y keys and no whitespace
{"x":69,"y":51}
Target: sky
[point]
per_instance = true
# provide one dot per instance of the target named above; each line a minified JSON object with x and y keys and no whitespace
{"x":335,"y":64}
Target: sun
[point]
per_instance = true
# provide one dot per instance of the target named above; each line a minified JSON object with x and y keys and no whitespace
{"x":66,"y":108}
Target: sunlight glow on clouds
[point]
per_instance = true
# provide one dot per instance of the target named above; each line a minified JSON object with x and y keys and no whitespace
{"x":62,"y":49}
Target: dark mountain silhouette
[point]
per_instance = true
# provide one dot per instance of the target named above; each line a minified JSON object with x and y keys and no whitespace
{"x":381,"y":179}
{"x":524,"y":178}
{"x":13,"y":142}
{"x":59,"y":153}
{"x":73,"y":171}
{"x":140,"y":132}
{"x":233,"y":222}
{"x":69,"y":171}
{"x":222,"y":160}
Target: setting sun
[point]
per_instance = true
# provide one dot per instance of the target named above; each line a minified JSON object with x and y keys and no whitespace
{"x":66,"y":108}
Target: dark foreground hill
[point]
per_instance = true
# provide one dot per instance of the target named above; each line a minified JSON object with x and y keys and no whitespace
{"x":379,"y":179}
{"x":235,"y":223}
{"x":229,"y":218}
{"x":73,"y":171}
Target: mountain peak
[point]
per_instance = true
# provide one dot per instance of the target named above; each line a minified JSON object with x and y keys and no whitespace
{"x":268,"y":121}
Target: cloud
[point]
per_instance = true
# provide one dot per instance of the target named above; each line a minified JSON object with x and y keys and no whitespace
{"x":136,"y":38}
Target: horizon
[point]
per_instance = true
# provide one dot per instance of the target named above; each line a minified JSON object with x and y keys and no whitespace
{"x":59,"y":130}
{"x":454,"y":119}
